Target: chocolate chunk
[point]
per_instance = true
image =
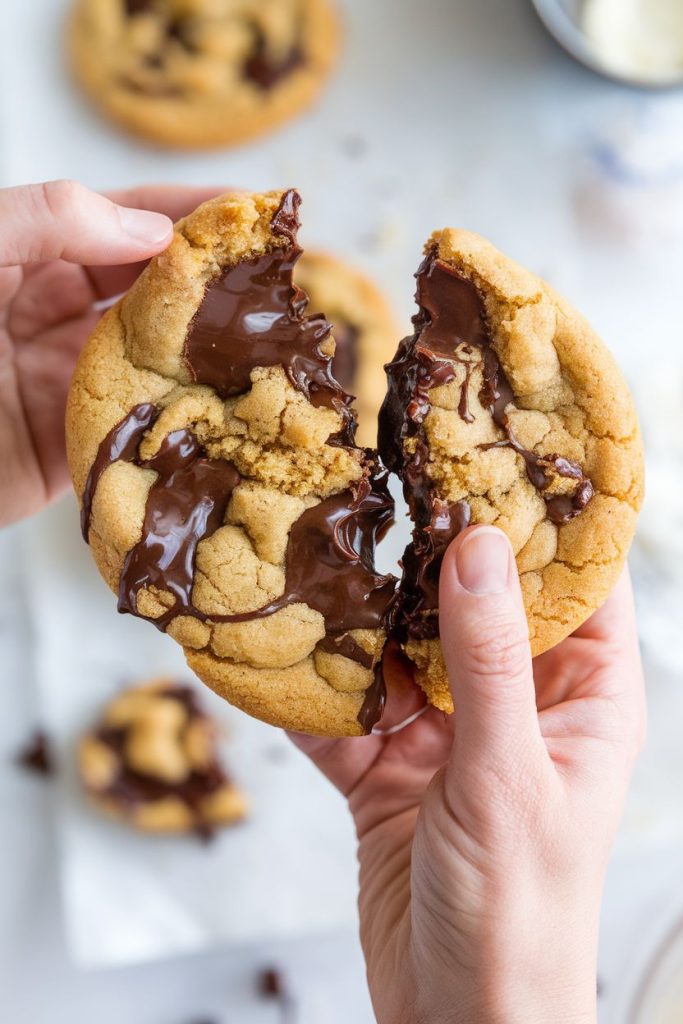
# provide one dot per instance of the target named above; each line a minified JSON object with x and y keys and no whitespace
{"x":36,"y":756}
{"x":266,"y":72}
{"x":271,"y":985}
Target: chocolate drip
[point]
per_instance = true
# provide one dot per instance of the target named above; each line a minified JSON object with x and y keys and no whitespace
{"x":263,"y":70}
{"x":374,"y":702}
{"x":347,"y":647}
{"x":186,"y":503}
{"x":451,"y":323}
{"x":120,"y":444}
{"x":329,"y":560}
{"x":253,"y":315}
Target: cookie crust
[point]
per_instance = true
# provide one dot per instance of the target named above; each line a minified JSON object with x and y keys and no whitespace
{"x":198,"y":74}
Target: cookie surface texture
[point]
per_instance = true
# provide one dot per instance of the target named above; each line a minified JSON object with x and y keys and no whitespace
{"x":222,"y":494}
{"x":505,"y":408}
{"x":202,"y":73}
{"x":152,"y":762}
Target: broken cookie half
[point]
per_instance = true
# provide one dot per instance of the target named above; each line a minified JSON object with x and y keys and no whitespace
{"x":222,"y":492}
{"x":505,"y":408}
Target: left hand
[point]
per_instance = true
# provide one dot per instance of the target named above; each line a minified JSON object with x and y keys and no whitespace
{"x":62,"y":249}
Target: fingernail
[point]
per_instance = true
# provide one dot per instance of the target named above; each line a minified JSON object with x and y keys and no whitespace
{"x":483,"y":562}
{"x":145,"y":225}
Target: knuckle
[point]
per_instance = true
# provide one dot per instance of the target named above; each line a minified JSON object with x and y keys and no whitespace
{"x":499,"y":651}
{"x":60,"y":197}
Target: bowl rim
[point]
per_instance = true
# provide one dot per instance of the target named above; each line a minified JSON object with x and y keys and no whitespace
{"x":571,"y":38}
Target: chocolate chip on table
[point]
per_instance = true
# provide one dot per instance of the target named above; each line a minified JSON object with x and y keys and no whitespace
{"x":36,"y":756}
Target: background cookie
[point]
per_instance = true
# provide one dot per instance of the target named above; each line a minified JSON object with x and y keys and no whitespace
{"x":364,"y":331}
{"x":201,"y":73}
{"x":505,"y":408}
{"x":152,"y":762}
{"x":222,"y":494}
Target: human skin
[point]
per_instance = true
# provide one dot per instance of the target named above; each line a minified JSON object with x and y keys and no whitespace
{"x":62,"y":248}
{"x":484,"y":837}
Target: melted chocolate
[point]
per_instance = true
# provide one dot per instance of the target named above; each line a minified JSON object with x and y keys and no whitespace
{"x":187,"y":502}
{"x":329,"y":560}
{"x":450,"y":327}
{"x":253,"y":315}
{"x":347,"y":647}
{"x":265,"y":72}
{"x":120,"y":444}
{"x":375,"y":701}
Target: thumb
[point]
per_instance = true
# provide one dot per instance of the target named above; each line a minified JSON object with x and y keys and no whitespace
{"x":64,"y":220}
{"x":484,"y":636}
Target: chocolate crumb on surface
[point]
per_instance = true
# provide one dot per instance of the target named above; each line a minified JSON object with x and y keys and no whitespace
{"x":36,"y":756}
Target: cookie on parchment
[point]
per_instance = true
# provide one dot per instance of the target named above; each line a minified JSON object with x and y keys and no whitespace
{"x":222,"y":493}
{"x":202,"y":73}
{"x":152,"y":762}
{"x":505,"y":408}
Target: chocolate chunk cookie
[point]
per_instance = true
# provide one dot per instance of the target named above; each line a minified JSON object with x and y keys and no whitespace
{"x":505,"y":408}
{"x":364,"y":331}
{"x":222,"y":493}
{"x":152,"y":762}
{"x":202,"y":73}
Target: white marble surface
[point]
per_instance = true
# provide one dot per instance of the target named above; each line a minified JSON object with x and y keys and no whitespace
{"x":470,"y":116}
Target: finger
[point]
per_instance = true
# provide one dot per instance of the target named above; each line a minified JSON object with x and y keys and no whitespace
{"x":65,"y":220}
{"x":175,"y":201}
{"x":484,"y":636}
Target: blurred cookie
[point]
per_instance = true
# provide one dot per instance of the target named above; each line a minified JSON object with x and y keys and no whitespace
{"x":364,"y":331}
{"x":505,"y":408}
{"x":222,"y":493}
{"x":152,"y":762}
{"x":202,"y":73}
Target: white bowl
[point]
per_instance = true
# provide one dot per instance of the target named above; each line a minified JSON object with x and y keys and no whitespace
{"x":562,"y":18}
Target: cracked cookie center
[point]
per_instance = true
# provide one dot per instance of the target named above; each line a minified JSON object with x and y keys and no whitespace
{"x":451,"y":328}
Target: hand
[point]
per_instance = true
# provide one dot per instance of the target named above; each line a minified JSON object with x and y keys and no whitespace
{"x":62,"y":249}
{"x":484,"y":837}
